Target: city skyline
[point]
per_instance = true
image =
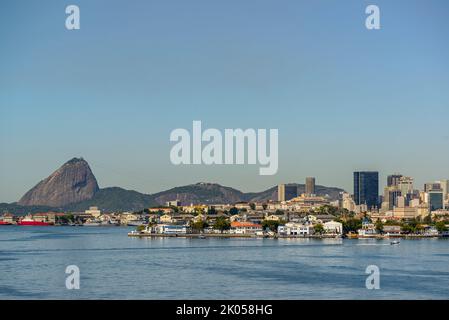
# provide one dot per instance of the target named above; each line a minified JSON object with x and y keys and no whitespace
{"x":308,"y":182}
{"x":344,"y":98}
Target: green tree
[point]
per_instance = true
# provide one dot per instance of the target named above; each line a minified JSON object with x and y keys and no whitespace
{"x":252,"y":205}
{"x":222,"y":224}
{"x":199,"y":226}
{"x":233,"y":211}
{"x":318,"y":228}
{"x":351,"y":225}
{"x":265,"y":206}
{"x":428,"y":219}
{"x":271,"y":224}
{"x":379,"y":226}
{"x":211,"y":211}
{"x":441,"y":226}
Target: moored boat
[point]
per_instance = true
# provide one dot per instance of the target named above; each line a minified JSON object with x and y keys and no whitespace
{"x":135,"y":223}
{"x":4,"y":223}
{"x":29,"y":221}
{"x":92,"y":224}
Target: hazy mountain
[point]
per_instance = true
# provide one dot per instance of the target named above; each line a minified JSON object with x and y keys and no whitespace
{"x":200,"y":193}
{"x":17,"y":209}
{"x":73,"y":182}
{"x":115,"y":199}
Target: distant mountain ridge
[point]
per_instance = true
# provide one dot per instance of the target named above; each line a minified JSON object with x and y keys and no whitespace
{"x":73,"y":187}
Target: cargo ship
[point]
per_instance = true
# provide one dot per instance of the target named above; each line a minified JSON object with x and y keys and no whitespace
{"x":29,"y":221}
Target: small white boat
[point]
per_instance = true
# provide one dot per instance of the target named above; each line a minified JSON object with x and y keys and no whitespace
{"x":395,"y":242}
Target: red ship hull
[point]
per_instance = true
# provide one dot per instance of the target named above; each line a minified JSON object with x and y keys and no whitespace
{"x":32,"y":223}
{"x":3,"y":223}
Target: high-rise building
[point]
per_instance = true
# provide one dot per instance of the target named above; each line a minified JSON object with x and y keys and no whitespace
{"x":287,"y":192}
{"x":445,"y":187}
{"x":432,"y":186}
{"x":405,"y":184}
{"x":393,"y":179}
{"x":310,"y":185}
{"x":366,"y":188}
{"x":436,"y":200}
{"x":391,"y":195}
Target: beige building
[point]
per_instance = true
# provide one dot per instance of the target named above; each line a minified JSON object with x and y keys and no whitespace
{"x":273,"y":217}
{"x":93,"y":211}
{"x":166,"y":218}
{"x":405,"y":212}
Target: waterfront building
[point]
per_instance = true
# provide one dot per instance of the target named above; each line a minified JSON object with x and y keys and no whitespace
{"x":368,"y":230}
{"x":366,"y":188}
{"x":333,"y":227}
{"x":245,"y":228}
{"x":287,"y":192}
{"x":166,"y":218}
{"x":310,"y":186}
{"x":392,"y":230}
{"x":172,"y":229}
{"x":295,"y":229}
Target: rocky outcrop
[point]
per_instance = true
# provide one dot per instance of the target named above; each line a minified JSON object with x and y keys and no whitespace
{"x":73,"y":182}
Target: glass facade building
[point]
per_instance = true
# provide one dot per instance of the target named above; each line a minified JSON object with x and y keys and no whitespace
{"x":435,"y":200}
{"x":366,"y":188}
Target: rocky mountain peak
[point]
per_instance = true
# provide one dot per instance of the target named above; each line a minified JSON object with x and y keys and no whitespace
{"x":73,"y":182}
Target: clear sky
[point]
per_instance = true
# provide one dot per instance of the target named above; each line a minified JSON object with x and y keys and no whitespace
{"x":344,"y":98}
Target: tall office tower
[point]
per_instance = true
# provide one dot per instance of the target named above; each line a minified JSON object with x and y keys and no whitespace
{"x":432,"y":186}
{"x":393,"y":179}
{"x":366,"y":188}
{"x":310,"y":185}
{"x":391,"y":195}
{"x":436,"y":200}
{"x":287,"y":192}
{"x":405,"y":184}
{"x":445,"y":187}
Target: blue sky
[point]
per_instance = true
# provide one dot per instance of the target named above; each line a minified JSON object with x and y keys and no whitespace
{"x":343,"y":98}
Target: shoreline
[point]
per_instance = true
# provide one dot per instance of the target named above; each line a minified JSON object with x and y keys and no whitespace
{"x":252,"y":236}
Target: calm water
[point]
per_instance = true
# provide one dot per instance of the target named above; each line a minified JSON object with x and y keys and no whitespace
{"x":33,"y":262}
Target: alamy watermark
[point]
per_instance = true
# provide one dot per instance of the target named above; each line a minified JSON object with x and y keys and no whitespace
{"x":372,"y":22}
{"x":72,"y":282}
{"x":72,"y":22}
{"x":228,"y":150}
{"x":372,"y":282}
